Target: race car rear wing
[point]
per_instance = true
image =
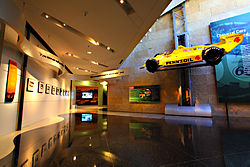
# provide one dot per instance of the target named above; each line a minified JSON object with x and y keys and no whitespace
{"x":230,"y":41}
{"x":238,"y":38}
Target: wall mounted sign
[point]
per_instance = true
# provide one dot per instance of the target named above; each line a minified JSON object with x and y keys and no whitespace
{"x":47,"y":90}
{"x":144,"y":94}
{"x":233,"y":73}
{"x":40,"y":87}
{"x":111,"y":74}
{"x":44,"y":56}
{"x":11,"y":82}
{"x":30,"y":85}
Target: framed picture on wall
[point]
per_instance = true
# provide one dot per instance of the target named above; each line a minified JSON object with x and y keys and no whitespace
{"x":144,"y":94}
{"x":30,"y":85}
{"x":53,"y":90}
{"x":35,"y":158}
{"x":40,"y":87}
{"x":47,"y":90}
{"x":11,"y":82}
{"x":61,"y":92}
{"x":57,"y":91}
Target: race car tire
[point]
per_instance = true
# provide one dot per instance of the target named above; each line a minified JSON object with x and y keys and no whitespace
{"x":213,"y":55}
{"x":152,"y":65}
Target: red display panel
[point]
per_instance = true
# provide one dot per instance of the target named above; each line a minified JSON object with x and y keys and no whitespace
{"x":86,"y":95}
{"x":11,"y":82}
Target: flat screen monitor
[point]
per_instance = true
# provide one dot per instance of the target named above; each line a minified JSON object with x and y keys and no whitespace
{"x":87,"y":117}
{"x":87,"y":95}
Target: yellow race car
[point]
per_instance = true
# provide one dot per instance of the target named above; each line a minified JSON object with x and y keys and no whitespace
{"x":200,"y":55}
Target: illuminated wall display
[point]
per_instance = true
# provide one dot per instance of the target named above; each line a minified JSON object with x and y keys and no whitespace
{"x":30,"y":85}
{"x":232,"y":74}
{"x":144,"y":94}
{"x":11,"y":82}
{"x":47,"y":88}
{"x":40,"y":87}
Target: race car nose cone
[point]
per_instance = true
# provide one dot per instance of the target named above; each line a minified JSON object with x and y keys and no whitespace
{"x":151,"y":65}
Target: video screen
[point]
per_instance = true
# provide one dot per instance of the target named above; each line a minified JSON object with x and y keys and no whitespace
{"x":87,"y":95}
{"x":87,"y":117}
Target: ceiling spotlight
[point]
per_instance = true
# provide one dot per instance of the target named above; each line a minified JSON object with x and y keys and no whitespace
{"x":69,"y":54}
{"x":93,"y":42}
{"x":94,"y":62}
{"x":46,"y":16}
{"x":59,"y":25}
{"x":64,"y":24}
{"x":121,"y":1}
{"x":86,"y":70}
{"x":89,"y":52}
{"x":77,"y":68}
{"x":108,"y":48}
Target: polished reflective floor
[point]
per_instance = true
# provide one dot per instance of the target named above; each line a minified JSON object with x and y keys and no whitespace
{"x":93,"y":140}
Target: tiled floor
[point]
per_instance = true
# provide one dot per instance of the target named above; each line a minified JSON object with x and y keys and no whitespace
{"x":134,"y":140}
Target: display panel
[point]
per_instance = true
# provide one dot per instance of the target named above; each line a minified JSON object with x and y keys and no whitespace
{"x":144,"y":94}
{"x":87,"y":95}
{"x":47,"y":89}
{"x":87,"y":117}
{"x":30,"y":85}
{"x":40,"y":87}
{"x":11,"y":82}
{"x":233,"y":73}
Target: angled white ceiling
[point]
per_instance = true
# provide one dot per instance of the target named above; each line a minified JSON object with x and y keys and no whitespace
{"x":105,"y":21}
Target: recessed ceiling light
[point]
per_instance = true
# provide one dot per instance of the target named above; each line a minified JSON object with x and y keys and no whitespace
{"x":59,"y":25}
{"x":93,"y":42}
{"x":108,"y":48}
{"x":94,"y":62}
{"x":89,"y":52}
{"x":75,"y":31}
{"x":86,"y":70}
{"x":121,"y":1}
{"x":69,"y":54}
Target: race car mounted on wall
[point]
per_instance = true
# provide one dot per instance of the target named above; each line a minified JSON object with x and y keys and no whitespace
{"x":200,"y":55}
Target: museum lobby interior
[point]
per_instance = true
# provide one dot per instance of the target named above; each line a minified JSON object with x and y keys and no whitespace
{"x":153,"y":83}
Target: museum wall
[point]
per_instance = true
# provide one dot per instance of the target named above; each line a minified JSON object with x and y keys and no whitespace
{"x":38,"y":106}
{"x":8,"y":111}
{"x":88,"y":84}
{"x":199,"y":15}
{"x":160,"y":38}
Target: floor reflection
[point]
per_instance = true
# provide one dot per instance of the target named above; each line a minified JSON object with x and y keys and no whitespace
{"x":89,"y":139}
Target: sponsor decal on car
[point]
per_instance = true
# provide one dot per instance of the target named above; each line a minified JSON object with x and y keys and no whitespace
{"x":180,"y":61}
